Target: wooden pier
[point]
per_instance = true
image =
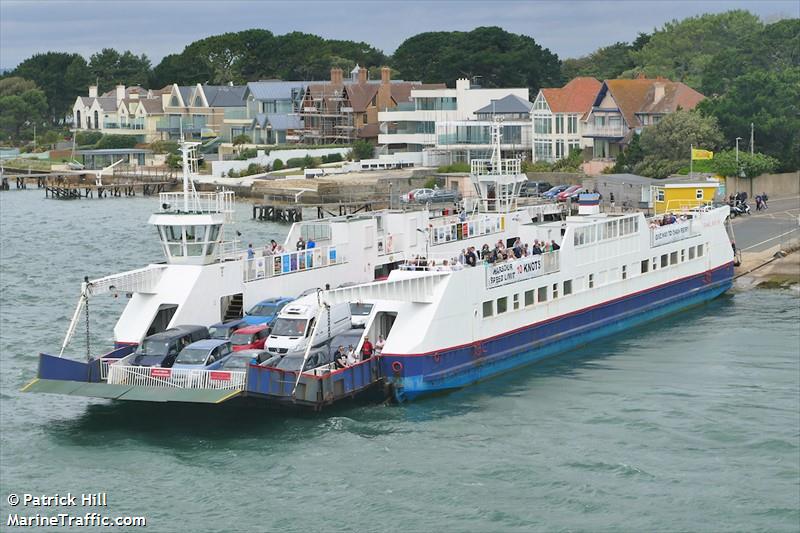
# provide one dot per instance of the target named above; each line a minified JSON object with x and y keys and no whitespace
{"x":290,"y":213}
{"x":72,"y":192}
{"x":278,"y":213}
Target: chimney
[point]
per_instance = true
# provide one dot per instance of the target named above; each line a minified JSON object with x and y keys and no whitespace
{"x":336,"y":76}
{"x":385,"y":89}
{"x":134,"y":96}
{"x":386,"y":75}
{"x":120,"y":93}
{"x":362,"y":76}
{"x":92,"y":91}
{"x":658,"y":91}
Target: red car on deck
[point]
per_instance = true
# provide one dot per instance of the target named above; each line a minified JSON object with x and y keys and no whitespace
{"x":250,"y":337}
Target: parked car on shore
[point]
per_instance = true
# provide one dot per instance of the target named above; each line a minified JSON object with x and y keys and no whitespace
{"x":250,"y":337}
{"x":206,"y":354}
{"x":265,"y":311}
{"x":534,"y":188}
{"x":161,"y":349}
{"x":566,"y":193}
{"x":550,"y":194}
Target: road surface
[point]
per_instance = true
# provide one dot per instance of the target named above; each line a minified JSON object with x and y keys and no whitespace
{"x":780,"y":223}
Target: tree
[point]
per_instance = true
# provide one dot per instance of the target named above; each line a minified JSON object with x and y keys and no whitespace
{"x":775,"y":48}
{"x":681,"y":50}
{"x":771,"y":102}
{"x":605,"y":63}
{"x":277,"y":164}
{"x":49,"y":138}
{"x":116,"y":141}
{"x":497,"y":57}
{"x":165,"y":147}
{"x":725,"y":164}
{"x":111,"y":68}
{"x":240,"y":140}
{"x":60,"y":76}
{"x":362,"y":150}
{"x":666,"y":145}
{"x":21,"y":102}
{"x":87,"y":138}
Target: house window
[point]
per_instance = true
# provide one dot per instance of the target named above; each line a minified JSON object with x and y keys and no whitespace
{"x":560,"y":149}
{"x":559,"y":123}
{"x":542,"y":294}
{"x":645,"y":265}
{"x":568,"y":287}
{"x":591,"y":281}
{"x":542,"y":125}
{"x":664,"y":261}
{"x":698,"y":194}
{"x":572,"y":124}
{"x":516,"y":302}
{"x":502,"y":305}
{"x":542,"y":150}
{"x":528,"y":298}
{"x":659,"y":195}
{"x":487,"y":308}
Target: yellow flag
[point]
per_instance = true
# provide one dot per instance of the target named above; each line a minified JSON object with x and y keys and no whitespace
{"x":698,"y":154}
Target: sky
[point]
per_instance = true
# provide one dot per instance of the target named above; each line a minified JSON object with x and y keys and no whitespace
{"x":160,"y":27}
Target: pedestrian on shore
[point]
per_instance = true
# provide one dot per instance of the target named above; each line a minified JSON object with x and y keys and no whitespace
{"x":611,"y":199}
{"x":764,"y":199}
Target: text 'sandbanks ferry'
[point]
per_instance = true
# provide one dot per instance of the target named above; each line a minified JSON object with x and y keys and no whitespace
{"x":444,"y":326}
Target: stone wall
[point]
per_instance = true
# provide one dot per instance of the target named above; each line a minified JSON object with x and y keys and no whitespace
{"x":775,"y":185}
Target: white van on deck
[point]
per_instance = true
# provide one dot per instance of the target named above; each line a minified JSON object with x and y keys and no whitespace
{"x":292,"y":328}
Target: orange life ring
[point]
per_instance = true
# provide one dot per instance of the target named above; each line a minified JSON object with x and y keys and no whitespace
{"x":397,"y":367}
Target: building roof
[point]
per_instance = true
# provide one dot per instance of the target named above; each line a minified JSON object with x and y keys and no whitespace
{"x":151,"y":105}
{"x":507,"y":105}
{"x":107,"y":104}
{"x":576,"y":96}
{"x":639,"y":96}
{"x":114,"y":151}
{"x":186,"y":93}
{"x":273,"y":89}
{"x":278,"y":121}
{"x":224,"y":95}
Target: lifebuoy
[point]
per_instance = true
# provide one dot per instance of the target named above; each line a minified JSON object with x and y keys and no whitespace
{"x":397,"y":367}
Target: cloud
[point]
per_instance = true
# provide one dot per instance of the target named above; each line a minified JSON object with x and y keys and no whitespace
{"x":159,"y":28}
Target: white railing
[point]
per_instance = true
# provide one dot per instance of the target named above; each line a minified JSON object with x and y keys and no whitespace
{"x":199,"y":202}
{"x":482,"y":167}
{"x":142,"y":280}
{"x":179,"y":378}
{"x":604,"y":131}
{"x":267,"y":266}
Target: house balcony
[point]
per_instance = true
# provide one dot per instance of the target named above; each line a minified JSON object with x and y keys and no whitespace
{"x":236,"y":113}
{"x":407,"y":138}
{"x":607,"y":131}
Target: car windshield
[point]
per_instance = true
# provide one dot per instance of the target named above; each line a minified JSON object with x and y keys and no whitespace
{"x":192,"y":356}
{"x":240,"y":339}
{"x":220,"y":332}
{"x":289,"y":327}
{"x":263,"y":310}
{"x":360,"y":309}
{"x":293,"y":363}
{"x":238,"y":361}
{"x":154,"y":347}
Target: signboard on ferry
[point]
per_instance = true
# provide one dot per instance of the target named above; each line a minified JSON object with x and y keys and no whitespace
{"x":670,"y":233}
{"x":158,"y":372}
{"x":501,"y":274}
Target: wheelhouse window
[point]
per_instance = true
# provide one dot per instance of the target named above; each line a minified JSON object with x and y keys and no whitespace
{"x":673,"y":258}
{"x":488,"y":308}
{"x":542,"y":295}
{"x":528,"y":298}
{"x":567,"y":287}
{"x":645,"y":265}
{"x":591,"y":281}
{"x":691,"y":253}
{"x":664,"y":260}
{"x":624,"y":271}
{"x":699,"y":250}
{"x":555,"y":291}
{"x":516,"y":302}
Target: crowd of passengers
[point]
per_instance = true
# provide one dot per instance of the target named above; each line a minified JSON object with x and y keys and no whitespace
{"x":273,"y":248}
{"x":666,"y":220}
{"x":470,"y":257}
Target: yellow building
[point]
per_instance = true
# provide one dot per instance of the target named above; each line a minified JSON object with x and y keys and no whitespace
{"x":677,"y":196}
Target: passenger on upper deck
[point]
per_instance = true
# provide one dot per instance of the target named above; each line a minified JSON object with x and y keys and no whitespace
{"x":301,"y":244}
{"x":366,"y":349}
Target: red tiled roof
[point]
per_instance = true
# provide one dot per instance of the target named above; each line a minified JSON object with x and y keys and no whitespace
{"x":638,"y":96}
{"x":577,"y":96}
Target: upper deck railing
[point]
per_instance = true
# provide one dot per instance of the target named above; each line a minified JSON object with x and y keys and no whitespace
{"x":267,"y":266}
{"x":198,"y":203}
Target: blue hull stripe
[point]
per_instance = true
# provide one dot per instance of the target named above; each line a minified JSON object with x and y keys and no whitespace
{"x":462,"y":365}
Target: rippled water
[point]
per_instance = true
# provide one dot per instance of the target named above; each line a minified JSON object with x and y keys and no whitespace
{"x":692,"y":423}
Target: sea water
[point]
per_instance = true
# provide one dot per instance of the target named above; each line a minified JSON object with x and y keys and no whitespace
{"x":689,"y":423}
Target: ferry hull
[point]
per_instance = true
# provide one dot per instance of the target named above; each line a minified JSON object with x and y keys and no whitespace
{"x":414,"y":375}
